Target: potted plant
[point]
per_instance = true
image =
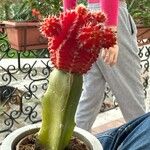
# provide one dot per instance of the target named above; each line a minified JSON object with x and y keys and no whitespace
{"x":140,"y":11}
{"x":22,"y":21}
{"x":75,"y":38}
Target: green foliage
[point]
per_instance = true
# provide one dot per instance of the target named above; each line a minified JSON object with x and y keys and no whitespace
{"x":22,"y":10}
{"x":82,"y":2}
{"x":140,"y":10}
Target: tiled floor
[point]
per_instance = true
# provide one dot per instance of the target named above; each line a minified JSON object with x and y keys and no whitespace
{"x":106,"y":126}
{"x":107,"y":120}
{"x":113,"y":118}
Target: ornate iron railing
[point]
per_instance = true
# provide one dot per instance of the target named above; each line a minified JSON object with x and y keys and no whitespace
{"x":23,"y":80}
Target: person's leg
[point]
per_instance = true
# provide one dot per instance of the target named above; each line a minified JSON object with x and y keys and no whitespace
{"x":92,"y":95}
{"x":124,"y":78}
{"x":91,"y":98}
{"x":138,"y":137}
{"x":131,"y":136}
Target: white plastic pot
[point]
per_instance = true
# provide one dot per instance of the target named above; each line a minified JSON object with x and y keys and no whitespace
{"x":12,"y":139}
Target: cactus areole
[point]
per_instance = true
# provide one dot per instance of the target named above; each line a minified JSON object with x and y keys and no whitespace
{"x":75,"y":39}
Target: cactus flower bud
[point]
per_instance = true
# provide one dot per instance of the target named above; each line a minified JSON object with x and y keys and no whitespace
{"x":76,"y":38}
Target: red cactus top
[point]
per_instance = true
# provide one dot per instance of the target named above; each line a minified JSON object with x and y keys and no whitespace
{"x":109,"y":7}
{"x":75,"y":39}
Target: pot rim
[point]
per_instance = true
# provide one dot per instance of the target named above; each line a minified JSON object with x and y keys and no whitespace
{"x":21,"y":24}
{"x":11,"y":139}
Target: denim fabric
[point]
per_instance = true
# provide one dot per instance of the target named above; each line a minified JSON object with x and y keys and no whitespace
{"x":134,"y":135}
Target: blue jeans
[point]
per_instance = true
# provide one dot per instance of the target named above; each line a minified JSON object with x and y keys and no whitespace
{"x":134,"y":135}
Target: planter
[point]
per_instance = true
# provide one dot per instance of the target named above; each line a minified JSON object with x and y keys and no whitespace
{"x":25,"y":35}
{"x":12,"y":139}
{"x":143,"y":35}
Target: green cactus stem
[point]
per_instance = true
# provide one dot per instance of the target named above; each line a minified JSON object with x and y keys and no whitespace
{"x":59,"y":105}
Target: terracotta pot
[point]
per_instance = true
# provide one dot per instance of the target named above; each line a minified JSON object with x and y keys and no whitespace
{"x":143,"y":35}
{"x":12,"y":139}
{"x":25,"y":35}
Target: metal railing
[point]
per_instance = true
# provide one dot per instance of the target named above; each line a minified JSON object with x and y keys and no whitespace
{"x":24,"y":79}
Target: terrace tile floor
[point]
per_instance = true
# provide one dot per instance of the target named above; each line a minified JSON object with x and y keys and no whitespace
{"x":106,"y":120}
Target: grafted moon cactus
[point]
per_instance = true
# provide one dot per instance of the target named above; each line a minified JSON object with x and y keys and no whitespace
{"x":75,"y":38}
